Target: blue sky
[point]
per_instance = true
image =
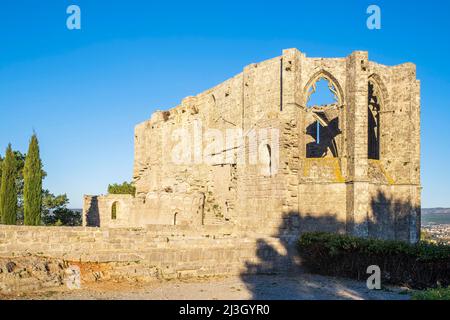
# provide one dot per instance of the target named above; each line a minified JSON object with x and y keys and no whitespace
{"x":83,"y":91}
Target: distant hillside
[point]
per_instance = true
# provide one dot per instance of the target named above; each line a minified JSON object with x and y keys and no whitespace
{"x":435,"y":210}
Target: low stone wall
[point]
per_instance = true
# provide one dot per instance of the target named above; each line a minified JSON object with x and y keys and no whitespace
{"x":155,"y":251}
{"x":167,"y":208}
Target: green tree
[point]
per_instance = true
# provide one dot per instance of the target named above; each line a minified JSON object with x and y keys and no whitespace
{"x":1,"y":161}
{"x":8,"y":189}
{"x":32,"y":184}
{"x":124,"y":188}
{"x":55,"y":212}
{"x":20,"y":163}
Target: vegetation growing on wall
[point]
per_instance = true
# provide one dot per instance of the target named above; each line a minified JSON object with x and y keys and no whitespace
{"x":124,"y":188}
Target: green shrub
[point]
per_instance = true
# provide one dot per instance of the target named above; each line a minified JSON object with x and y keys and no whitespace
{"x":124,"y":188}
{"x":432,"y":294}
{"x":63,"y":217}
{"x":418,"y":266}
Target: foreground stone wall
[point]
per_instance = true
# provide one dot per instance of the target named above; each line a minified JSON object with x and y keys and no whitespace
{"x":155,"y":251}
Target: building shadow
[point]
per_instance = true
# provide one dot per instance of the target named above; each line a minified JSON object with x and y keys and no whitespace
{"x":92,"y":213}
{"x":394,"y":219}
{"x":278,"y":273}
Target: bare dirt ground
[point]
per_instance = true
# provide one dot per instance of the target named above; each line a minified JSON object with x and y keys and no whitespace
{"x":264,"y":287}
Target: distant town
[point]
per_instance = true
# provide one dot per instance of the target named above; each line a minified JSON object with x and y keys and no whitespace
{"x":436,"y":210}
{"x":436,"y":225}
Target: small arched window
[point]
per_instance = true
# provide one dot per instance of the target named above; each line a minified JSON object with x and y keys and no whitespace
{"x":114,"y":209}
{"x":265,"y":158}
{"x":175,"y":218}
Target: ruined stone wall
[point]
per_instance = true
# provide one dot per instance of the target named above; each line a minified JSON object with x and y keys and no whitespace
{"x":320,"y":200}
{"x":209,"y":213}
{"x":227,"y":184}
{"x":98,"y":210}
{"x":394,"y":191}
{"x":347,"y":192}
{"x":333,"y":185}
{"x":159,"y":208}
{"x":262,"y":104}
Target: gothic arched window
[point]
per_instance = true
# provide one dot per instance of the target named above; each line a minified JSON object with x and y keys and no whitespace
{"x":373,"y":136}
{"x":323,"y":102}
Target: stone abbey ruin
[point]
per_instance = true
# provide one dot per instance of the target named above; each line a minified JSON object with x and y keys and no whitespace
{"x":350,"y":167}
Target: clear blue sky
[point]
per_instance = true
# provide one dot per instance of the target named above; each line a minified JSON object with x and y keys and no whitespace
{"x":83,"y":91}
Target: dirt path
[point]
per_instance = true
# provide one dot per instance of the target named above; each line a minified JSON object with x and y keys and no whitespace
{"x":265,"y":287}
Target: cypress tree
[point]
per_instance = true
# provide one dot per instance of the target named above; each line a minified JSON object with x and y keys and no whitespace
{"x":8,"y":189}
{"x":32,"y":189}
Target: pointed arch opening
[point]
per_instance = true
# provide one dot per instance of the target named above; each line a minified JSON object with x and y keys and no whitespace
{"x":324,"y":99}
{"x":321,"y":93}
{"x":375,"y":103}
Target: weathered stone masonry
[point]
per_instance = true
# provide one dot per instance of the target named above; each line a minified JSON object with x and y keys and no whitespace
{"x":349,"y":167}
{"x":362,"y":178}
{"x":33,"y":258}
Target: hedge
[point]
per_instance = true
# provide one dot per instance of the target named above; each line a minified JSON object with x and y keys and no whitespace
{"x":432,"y":294}
{"x":417,"y":266}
